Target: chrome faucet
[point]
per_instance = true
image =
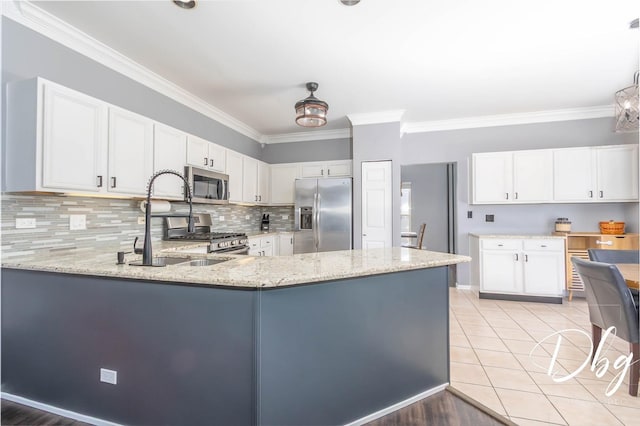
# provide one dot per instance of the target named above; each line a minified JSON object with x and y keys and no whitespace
{"x":147,"y":253}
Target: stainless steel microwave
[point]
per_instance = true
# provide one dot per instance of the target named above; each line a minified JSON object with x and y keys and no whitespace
{"x":207,"y":186}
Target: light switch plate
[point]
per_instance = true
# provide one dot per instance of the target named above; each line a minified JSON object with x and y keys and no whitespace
{"x":25,"y":223}
{"x":285,"y":216}
{"x":77,"y":222}
{"x":221,"y":218}
{"x":109,"y":376}
{"x":141,"y":220}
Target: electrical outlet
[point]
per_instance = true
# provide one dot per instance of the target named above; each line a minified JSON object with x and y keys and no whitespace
{"x":489,"y":218}
{"x":25,"y":223}
{"x":285,"y":216}
{"x":141,"y":220}
{"x":247,"y":217}
{"x":109,"y":376}
{"x":221,"y":218}
{"x":77,"y":222}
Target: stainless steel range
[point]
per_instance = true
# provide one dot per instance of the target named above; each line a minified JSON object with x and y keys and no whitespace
{"x":219,"y":242}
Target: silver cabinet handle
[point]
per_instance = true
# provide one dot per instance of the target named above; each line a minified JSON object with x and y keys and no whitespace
{"x":515,"y":195}
{"x":590,"y":194}
{"x":601,"y":194}
{"x":604,"y":243}
{"x":328,"y":172}
{"x":206,"y":161}
{"x":516,"y":255}
{"x":99,"y":183}
{"x":526,"y":257}
{"x":507,"y":195}
{"x":322,"y":172}
{"x":211,"y":162}
{"x":113,"y":182}
{"x":500,"y":245}
{"x":256,"y":198}
{"x":259,"y":197}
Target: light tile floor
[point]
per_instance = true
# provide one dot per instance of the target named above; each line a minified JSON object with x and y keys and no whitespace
{"x":493,"y":360}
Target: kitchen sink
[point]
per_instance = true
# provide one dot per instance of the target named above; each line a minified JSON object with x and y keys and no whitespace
{"x":167,"y":260}
{"x":206,"y":262}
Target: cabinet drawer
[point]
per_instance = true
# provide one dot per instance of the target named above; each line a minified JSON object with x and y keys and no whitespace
{"x":544,"y":245}
{"x":266,"y":241}
{"x":500,"y":244}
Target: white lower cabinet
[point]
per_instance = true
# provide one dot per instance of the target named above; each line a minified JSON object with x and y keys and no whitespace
{"x":285,"y":244}
{"x":261,"y":245}
{"x":519,"y":266}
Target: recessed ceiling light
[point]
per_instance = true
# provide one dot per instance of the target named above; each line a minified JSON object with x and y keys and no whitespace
{"x":185,"y":4}
{"x":349,"y":2}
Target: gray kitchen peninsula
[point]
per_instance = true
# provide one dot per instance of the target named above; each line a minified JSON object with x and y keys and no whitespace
{"x":313,"y":339}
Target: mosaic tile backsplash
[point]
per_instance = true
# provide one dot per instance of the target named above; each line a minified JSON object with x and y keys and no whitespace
{"x":110,"y":222}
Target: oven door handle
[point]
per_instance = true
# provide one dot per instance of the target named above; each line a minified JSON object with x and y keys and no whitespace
{"x":242,"y":250}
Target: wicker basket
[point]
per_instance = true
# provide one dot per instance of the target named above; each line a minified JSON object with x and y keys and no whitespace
{"x":612,"y":227}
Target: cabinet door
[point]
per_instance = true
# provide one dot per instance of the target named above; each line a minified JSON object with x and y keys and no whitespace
{"x":263,"y":183}
{"x":500,"y":271}
{"x":250,"y":180}
{"x":574,"y":177}
{"x":74,"y":141}
{"x":130,"y":152}
{"x":617,"y":172}
{"x":312,"y":170}
{"x":169,"y":153}
{"x":234,"y":170}
{"x":255,"y":246}
{"x":282,"y":184}
{"x":342,"y":168}
{"x":533,"y":176}
{"x":285,"y":244}
{"x":217,"y":157}
{"x":492,"y":178}
{"x":197,"y":152}
{"x":544,"y":273}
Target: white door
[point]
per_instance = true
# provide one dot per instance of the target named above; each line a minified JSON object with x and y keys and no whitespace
{"x":283,"y":184}
{"x":574,"y":174}
{"x":263,"y":183}
{"x":197,"y":152}
{"x":169,"y":153}
{"x":234,"y":170}
{"x":130,"y":152}
{"x":492,"y":177}
{"x":377,"y":208}
{"x":74,"y":141}
{"x":533,"y":176}
{"x":617,"y":172}
{"x":544,"y":273}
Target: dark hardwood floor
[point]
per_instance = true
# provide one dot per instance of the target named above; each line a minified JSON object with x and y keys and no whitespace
{"x":446,"y":408}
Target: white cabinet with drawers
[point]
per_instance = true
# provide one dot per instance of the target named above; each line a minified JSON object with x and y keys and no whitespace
{"x":261,"y":245}
{"x":519,"y":266}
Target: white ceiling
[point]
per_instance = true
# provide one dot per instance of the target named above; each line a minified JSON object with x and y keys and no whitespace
{"x":436,"y":60}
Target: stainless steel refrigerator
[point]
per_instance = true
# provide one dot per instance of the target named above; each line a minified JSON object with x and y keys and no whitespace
{"x":323,"y":215}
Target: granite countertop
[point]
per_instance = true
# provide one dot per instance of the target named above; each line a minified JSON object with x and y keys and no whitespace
{"x":518,"y":236}
{"x":240,"y":270}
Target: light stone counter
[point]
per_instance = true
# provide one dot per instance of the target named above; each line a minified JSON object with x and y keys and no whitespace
{"x":240,"y":271}
{"x":520,"y":237}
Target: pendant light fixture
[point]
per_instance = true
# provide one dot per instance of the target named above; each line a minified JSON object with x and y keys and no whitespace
{"x":627,"y":107}
{"x":311,"y":111}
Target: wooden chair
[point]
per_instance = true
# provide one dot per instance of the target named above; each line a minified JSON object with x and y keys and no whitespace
{"x":611,"y":304}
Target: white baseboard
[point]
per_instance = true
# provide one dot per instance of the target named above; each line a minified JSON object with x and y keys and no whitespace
{"x":397,"y":406}
{"x":56,"y":410}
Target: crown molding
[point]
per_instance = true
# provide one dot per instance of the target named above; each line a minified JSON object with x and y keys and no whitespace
{"x":31,"y":16}
{"x":511,"y":119}
{"x":307,"y":136}
{"x":375,"y":117}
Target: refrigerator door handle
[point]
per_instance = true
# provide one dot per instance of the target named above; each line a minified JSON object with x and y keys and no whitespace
{"x":318,"y":203}
{"x":314,"y":224}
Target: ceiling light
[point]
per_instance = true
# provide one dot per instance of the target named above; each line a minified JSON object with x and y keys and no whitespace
{"x":634,"y":24}
{"x":311,"y":111}
{"x":185,"y":4}
{"x":627,"y":107}
{"x":349,"y":2}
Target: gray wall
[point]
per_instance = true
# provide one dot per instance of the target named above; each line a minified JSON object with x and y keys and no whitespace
{"x":27,"y":54}
{"x":376,"y":142}
{"x":323,"y":150}
{"x":458,"y":145}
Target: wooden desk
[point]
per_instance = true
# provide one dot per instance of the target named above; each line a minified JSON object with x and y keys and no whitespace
{"x":631,"y":274}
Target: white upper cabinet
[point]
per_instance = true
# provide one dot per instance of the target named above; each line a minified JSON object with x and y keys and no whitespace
{"x":592,"y":174}
{"x":235,"y":172}
{"x":283,"y":178}
{"x":250,"y":180}
{"x":574,"y":177}
{"x":169,"y":153}
{"x":73,"y":140}
{"x":617,"y":172}
{"x":326,"y":169}
{"x":130,"y":152}
{"x":263,"y":183}
{"x":492,"y":181}
{"x":206,"y":155}
{"x":533,"y":176}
